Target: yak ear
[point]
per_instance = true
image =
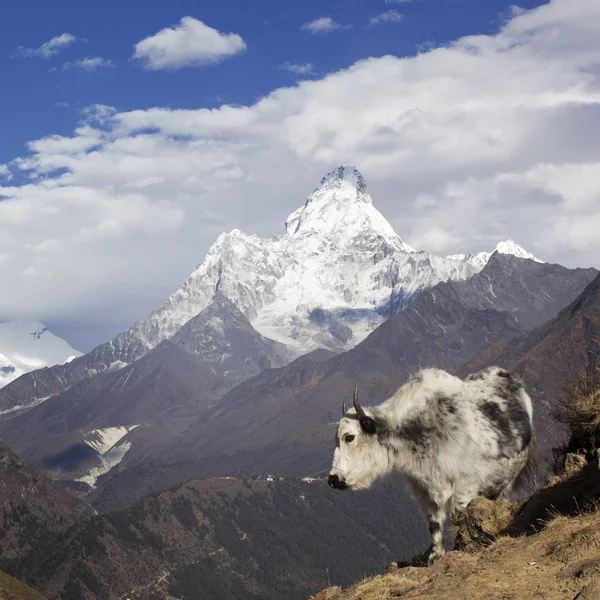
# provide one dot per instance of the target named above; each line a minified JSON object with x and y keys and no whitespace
{"x":368,"y":425}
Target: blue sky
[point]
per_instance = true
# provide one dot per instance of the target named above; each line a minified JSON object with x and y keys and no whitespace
{"x":134,"y":133}
{"x":35,"y":100}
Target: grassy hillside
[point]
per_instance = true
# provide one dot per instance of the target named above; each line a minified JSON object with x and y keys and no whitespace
{"x":11,"y":589}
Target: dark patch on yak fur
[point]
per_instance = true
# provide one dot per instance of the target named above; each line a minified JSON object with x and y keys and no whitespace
{"x":368,"y":425}
{"x":417,"y":433}
{"x":501,"y":423}
{"x":434,"y":527}
{"x":477,"y":376}
{"x":508,"y":385}
{"x":494,"y":490}
{"x":446,"y":404}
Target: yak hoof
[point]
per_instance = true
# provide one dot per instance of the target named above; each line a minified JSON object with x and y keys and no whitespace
{"x":433,"y":555}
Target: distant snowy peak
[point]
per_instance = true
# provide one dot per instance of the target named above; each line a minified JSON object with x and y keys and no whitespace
{"x":29,"y":345}
{"x":509,"y":246}
{"x":342,"y":205}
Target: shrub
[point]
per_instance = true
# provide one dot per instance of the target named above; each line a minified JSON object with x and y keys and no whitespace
{"x":579,"y":409}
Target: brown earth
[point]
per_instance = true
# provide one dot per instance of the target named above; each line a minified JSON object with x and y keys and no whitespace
{"x":11,"y":589}
{"x":560,"y":563}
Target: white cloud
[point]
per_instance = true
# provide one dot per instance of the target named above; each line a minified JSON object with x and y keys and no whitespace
{"x":190,"y":44}
{"x":90,"y":63}
{"x":49,"y":48}
{"x":305,"y":69}
{"x":322,"y":25}
{"x":489,"y":137}
{"x":390,"y":16}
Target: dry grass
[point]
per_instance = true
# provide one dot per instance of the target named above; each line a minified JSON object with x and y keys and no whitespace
{"x":557,"y":563}
{"x":11,"y":589}
{"x":579,"y":409}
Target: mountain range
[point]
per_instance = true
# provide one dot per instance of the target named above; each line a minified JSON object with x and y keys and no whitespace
{"x":336,"y":274}
{"x":243,"y":368}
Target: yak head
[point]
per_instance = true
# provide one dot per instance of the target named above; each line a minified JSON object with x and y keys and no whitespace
{"x":359,"y":457}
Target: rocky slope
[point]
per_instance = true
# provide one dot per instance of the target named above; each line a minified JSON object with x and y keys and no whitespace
{"x":212,"y":353}
{"x":11,"y":589}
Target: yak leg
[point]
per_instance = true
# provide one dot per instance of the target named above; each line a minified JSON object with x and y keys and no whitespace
{"x":437,"y":519}
{"x":433,"y":503}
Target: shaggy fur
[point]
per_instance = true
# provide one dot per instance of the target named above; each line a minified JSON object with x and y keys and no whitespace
{"x":453,"y":439}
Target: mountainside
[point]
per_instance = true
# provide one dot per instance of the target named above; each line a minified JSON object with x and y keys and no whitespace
{"x":332,"y":278}
{"x":212,"y":353}
{"x":230,"y":539}
{"x":284,"y":419}
{"x":34,"y":510}
{"x":28,"y":345}
{"x":547,"y":356}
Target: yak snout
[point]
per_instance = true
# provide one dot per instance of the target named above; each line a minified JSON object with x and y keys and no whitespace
{"x":336,"y":483}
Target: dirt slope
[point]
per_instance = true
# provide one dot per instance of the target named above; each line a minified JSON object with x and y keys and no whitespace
{"x":556,"y":564}
{"x":11,"y":589}
{"x":548,"y":547}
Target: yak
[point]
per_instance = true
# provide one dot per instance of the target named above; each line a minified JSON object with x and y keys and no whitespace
{"x":453,"y":439}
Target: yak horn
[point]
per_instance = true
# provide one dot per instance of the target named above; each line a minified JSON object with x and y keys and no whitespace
{"x":344,"y":408}
{"x":359,"y":411}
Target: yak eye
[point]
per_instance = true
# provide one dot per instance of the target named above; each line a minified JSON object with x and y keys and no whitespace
{"x":348,"y":438}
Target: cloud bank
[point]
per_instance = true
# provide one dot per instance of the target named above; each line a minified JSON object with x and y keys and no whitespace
{"x":489,"y":137}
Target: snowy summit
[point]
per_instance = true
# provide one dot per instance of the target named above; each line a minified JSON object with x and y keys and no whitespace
{"x":28,"y":345}
{"x":505,"y":247}
{"x":335,"y":275}
{"x":341,"y":204}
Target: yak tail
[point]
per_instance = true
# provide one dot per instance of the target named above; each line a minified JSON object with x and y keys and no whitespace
{"x":526,"y":477}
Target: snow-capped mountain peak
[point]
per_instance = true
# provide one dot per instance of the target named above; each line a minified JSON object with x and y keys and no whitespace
{"x":342,"y":204}
{"x":508,"y":246}
{"x":29,"y":345}
{"x":335,"y":275}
